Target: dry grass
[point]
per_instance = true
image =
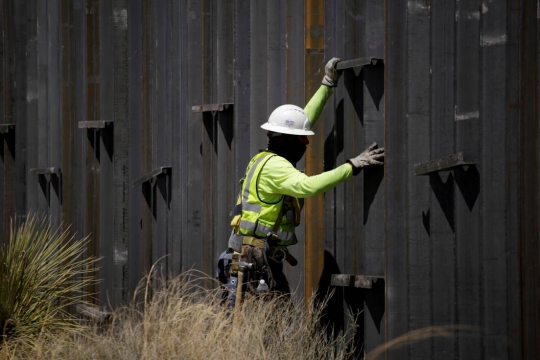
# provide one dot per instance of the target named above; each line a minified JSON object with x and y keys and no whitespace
{"x":177,"y":319}
{"x":181,"y":320}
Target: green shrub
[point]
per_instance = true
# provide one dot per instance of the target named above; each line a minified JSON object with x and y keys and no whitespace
{"x":43,"y":274}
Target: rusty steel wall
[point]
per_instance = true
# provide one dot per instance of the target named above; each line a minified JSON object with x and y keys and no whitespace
{"x":462,"y":242}
{"x":132,"y":122}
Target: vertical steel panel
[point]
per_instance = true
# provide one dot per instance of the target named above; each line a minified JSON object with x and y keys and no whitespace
{"x":259,"y":109}
{"x":160,"y":133}
{"x":42,"y":135}
{"x":121,"y":182}
{"x":493,"y":41}
{"x":208,"y":189}
{"x":374,"y":191}
{"x":226,"y":182}
{"x":439,"y":218}
{"x":53,"y":141}
{"x":468,"y":217}
{"x":275,"y":53}
{"x":528,"y":232}
{"x":373,"y":91}
{"x":333,"y":155}
{"x":396,"y":173}
{"x":106,"y":153}
{"x":32,"y":105}
{"x":68,"y":121}
{"x":178,"y":135}
{"x":314,"y":214}
{"x":20,"y":113}
{"x":92,"y":112}
{"x":350,"y":134}
{"x":4,"y":176}
{"x":209,"y":139}
{"x":242,"y":81}
{"x":4,"y":172}
{"x":224,"y":54}
{"x":146,"y":138}
{"x":135,"y":250}
{"x":353,"y":250}
{"x":352,"y":112}
{"x":418,"y":123}
{"x":193,"y":250}
{"x":513,"y":277}
{"x":172,"y":270}
{"x":225,"y":185}
{"x":294,"y":90}
{"x":8,"y":107}
{"x":80,"y":174}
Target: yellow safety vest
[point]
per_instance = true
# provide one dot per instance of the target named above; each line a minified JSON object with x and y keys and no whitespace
{"x":258,"y":217}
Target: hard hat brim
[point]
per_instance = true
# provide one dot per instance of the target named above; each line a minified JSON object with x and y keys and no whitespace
{"x":284,"y":130}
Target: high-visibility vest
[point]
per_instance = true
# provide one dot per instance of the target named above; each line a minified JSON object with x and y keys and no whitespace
{"x":258,"y":217}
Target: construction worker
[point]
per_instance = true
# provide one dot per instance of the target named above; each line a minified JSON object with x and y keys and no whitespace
{"x":267,"y":210}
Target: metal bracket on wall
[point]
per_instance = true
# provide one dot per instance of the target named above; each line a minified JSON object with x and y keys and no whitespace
{"x":151,"y":176}
{"x":94,"y":124}
{"x":445,"y":163}
{"x":360,"y":62}
{"x":47,"y":177}
{"x":213,"y":108}
{"x":357,"y":281}
{"x":47,"y":172}
{"x":6,"y":128}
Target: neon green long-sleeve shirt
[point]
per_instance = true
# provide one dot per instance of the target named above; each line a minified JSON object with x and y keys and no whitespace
{"x":278,"y":177}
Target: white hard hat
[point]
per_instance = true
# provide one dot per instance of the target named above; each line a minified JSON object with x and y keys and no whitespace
{"x":288,"y":119}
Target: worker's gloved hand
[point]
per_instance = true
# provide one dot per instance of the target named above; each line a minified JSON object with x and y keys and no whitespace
{"x":368,"y":157}
{"x":331,"y":75}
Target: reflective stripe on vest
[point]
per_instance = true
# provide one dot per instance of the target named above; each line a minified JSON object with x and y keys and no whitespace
{"x":259,"y":217}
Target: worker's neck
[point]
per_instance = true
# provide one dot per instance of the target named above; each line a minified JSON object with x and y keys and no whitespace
{"x":292,"y":154}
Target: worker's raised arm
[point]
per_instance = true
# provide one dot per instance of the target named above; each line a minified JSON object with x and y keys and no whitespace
{"x":279,"y":177}
{"x":316,"y":104}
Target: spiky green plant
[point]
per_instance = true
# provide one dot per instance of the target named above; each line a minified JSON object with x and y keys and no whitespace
{"x":43,"y":273}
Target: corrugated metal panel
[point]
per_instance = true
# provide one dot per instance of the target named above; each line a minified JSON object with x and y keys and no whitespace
{"x":354,"y":213}
{"x":174,"y":93}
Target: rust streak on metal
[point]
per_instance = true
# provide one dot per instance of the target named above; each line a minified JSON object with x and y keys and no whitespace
{"x":314,"y":207}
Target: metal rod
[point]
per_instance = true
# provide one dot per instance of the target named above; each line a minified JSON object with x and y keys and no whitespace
{"x":347,"y":64}
{"x":444,"y":163}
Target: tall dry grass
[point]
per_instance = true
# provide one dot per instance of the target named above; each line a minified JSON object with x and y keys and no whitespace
{"x":176,"y":319}
{"x":181,"y":320}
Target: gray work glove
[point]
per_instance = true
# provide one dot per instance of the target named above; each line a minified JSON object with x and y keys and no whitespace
{"x":331,"y":75}
{"x":368,"y":157}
